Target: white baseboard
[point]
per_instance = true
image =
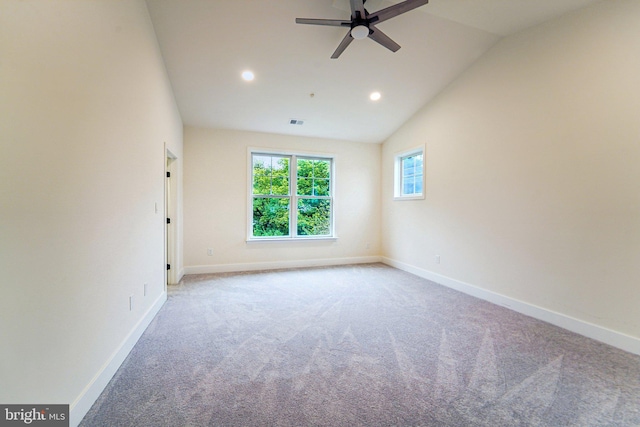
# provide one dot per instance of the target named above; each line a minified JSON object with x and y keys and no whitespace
{"x":92,"y":391}
{"x":273,"y":265}
{"x":590,"y":330}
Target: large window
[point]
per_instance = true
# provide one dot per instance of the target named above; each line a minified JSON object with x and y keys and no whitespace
{"x":291,"y":196}
{"x":409,"y":174}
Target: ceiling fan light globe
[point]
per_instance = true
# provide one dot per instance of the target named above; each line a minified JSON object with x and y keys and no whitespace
{"x":360,"y":32}
{"x":248,"y":75}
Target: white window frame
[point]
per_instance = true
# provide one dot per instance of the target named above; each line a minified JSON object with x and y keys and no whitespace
{"x":397,"y":174}
{"x":293,"y":196}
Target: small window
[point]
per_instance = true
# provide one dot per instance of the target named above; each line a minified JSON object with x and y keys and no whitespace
{"x":409,"y":174}
{"x":291,"y":196}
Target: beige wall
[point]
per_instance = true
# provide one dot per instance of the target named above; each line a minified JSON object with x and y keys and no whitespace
{"x":215,"y":202}
{"x":85,"y":111}
{"x":533,"y":171}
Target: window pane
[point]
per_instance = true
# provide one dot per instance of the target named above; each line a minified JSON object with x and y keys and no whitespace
{"x":264,"y":162}
{"x":314,"y":217}
{"x":408,"y":171}
{"x":270,"y":175}
{"x":418,"y":184}
{"x":322,"y":169}
{"x":313,"y":177}
{"x":419,"y":161}
{"x":408,"y":188}
{"x":270,"y":216}
{"x":305,"y":168}
{"x":280,"y":166}
{"x":261,"y":175}
{"x":321,"y":187}
{"x":408,"y":162}
{"x":305,"y":186}
{"x":280,"y":186}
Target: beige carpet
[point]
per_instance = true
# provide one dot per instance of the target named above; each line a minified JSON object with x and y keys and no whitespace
{"x":364,"y":345}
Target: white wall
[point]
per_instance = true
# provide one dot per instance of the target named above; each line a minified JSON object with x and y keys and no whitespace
{"x":533,"y":171}
{"x":85,"y":111}
{"x":215,"y":203}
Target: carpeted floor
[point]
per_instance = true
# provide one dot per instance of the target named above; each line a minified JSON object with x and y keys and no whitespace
{"x":364,"y":345}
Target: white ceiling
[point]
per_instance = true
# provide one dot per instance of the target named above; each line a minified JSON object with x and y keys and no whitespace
{"x":206,"y":44}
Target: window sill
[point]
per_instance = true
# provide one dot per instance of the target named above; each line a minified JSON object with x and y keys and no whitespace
{"x":409,"y":197}
{"x":292,"y":239}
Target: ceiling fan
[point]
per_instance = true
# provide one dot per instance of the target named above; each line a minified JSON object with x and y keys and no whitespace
{"x":362,"y":23}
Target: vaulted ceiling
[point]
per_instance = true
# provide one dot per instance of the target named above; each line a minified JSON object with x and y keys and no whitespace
{"x":207,"y":44}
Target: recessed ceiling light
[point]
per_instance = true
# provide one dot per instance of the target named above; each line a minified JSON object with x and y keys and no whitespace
{"x":375,"y":96}
{"x":248,"y":75}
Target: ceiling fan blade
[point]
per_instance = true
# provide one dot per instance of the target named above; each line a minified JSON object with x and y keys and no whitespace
{"x":380,"y":37}
{"x":342,"y":46}
{"x":357,"y":6}
{"x":395,"y":10}
{"x":329,"y":22}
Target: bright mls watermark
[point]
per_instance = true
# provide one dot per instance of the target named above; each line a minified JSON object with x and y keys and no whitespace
{"x":34,"y":415}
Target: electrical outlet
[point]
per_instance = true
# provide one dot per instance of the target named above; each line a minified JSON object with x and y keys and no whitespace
{"x":368,"y":245}
{"x":437,"y":259}
{"x":144,"y":290}
{"x":130,"y":302}
{"x":210,"y":252}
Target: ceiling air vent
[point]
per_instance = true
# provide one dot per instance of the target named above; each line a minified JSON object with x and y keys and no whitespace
{"x":296,"y":122}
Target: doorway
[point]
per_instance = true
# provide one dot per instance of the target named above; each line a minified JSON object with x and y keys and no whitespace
{"x":170,"y":210}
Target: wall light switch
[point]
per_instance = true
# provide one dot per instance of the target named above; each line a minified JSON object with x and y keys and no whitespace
{"x":210,"y":252}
